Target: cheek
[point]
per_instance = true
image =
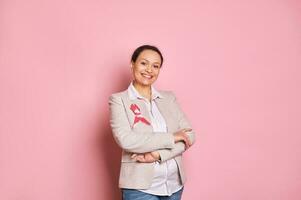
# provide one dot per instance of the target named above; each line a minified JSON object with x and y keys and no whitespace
{"x":138,"y":69}
{"x":157,"y":73}
{"x":136,"y":72}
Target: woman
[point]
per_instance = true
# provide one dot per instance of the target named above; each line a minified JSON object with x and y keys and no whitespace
{"x":152,"y":131}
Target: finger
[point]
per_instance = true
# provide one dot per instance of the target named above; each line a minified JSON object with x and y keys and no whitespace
{"x":183,"y":129}
{"x":186,"y":146}
{"x":188,"y":139}
{"x":187,"y":142}
{"x":133,"y":155}
{"x":140,"y":159}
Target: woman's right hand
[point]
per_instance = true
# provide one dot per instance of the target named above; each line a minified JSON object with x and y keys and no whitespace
{"x":181,"y":135}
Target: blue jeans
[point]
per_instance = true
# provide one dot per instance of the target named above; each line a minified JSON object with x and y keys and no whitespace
{"x":132,"y":194}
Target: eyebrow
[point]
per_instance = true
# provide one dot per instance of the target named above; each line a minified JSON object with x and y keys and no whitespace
{"x":148,"y":60}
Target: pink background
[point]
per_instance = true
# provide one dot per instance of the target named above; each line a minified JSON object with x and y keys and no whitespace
{"x":234,"y":66}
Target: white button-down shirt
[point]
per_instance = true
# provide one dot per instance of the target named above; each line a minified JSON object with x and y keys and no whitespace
{"x":166,"y":178}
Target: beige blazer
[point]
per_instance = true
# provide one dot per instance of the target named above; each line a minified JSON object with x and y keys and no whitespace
{"x":141,"y":138}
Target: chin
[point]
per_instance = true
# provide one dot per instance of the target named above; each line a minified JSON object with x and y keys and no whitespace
{"x":146,"y":83}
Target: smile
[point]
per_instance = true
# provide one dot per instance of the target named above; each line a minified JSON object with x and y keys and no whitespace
{"x":147,"y":76}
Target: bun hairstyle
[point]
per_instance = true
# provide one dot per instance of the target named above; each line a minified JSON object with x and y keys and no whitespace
{"x":146,"y":47}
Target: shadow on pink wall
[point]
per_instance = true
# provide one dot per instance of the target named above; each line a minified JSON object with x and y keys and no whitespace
{"x":108,"y":150}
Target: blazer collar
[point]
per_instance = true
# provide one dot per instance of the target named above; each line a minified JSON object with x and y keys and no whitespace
{"x":134,"y":94}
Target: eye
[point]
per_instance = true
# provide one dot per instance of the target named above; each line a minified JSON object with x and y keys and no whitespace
{"x":156,"y":66}
{"x":143,"y":63}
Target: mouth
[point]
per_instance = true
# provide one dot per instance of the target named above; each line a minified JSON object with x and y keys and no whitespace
{"x":147,"y":76}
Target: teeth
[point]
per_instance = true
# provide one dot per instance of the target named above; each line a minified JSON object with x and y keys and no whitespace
{"x":147,"y":76}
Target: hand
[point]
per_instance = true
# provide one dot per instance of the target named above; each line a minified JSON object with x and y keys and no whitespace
{"x":181,"y":135}
{"x":148,"y":157}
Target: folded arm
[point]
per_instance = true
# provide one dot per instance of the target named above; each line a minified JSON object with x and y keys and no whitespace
{"x":179,"y":147}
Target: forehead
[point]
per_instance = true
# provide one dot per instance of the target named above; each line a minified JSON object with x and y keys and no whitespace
{"x":150,"y":55}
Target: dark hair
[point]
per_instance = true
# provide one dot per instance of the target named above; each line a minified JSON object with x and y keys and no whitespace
{"x":146,"y":47}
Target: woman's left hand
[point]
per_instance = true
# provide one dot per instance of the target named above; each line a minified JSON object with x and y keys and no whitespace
{"x":148,"y":157}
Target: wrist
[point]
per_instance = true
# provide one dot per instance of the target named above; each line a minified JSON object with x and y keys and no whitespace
{"x":158,"y":158}
{"x":156,"y":155}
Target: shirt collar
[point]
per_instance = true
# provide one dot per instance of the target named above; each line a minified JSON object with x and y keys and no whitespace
{"x":134,"y":94}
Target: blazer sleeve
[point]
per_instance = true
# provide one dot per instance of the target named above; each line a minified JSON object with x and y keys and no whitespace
{"x":130,"y":140}
{"x":179,"y":147}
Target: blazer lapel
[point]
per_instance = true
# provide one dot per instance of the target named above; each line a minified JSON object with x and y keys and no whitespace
{"x":163,"y":106}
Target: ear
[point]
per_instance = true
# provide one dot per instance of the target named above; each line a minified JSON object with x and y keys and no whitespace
{"x":132,"y":65}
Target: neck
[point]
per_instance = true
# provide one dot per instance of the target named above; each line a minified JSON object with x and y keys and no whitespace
{"x":144,"y":90}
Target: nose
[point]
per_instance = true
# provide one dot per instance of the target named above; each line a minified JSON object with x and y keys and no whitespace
{"x":149,"y":68}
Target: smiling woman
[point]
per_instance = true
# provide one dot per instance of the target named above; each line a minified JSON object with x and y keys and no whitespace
{"x":152,"y":131}
{"x":145,"y":65}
